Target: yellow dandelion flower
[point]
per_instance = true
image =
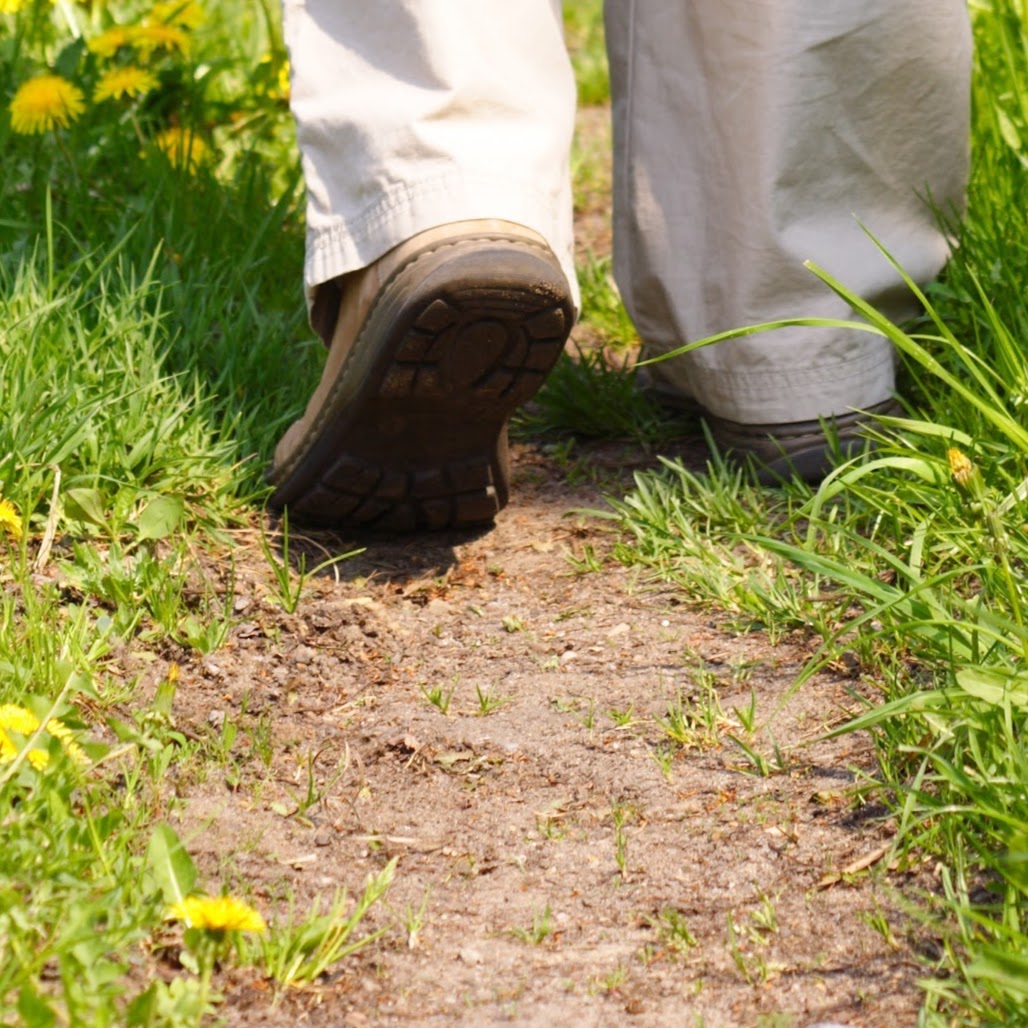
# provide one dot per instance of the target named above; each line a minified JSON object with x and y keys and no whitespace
{"x":110,"y":41}
{"x":22,"y":721}
{"x":216,"y":914}
{"x":10,"y":521}
{"x":14,"y":6}
{"x":128,"y":80}
{"x":38,"y":759}
{"x":186,"y":13}
{"x":147,"y":39}
{"x":182,"y":148}
{"x":17,"y":719}
{"x":277,"y":79}
{"x":961,"y":467}
{"x":43,"y":103}
{"x":60,"y":731}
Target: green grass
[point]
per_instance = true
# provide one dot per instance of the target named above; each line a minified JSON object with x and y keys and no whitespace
{"x":592,"y":396}
{"x":142,"y":303}
{"x":921,"y":552}
{"x":141,"y":306}
{"x":214,"y":256}
{"x":583,"y":30}
{"x":602,"y":309}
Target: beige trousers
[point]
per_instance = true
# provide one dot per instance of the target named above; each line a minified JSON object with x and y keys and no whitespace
{"x":749,"y":136}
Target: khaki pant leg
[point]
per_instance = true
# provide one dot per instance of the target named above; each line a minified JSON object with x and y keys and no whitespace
{"x":750,"y":135}
{"x":416,"y":113}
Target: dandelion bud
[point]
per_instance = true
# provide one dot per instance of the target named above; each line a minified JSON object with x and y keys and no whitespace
{"x":961,"y":467}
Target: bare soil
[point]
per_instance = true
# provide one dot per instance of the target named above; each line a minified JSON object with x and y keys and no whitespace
{"x":556,"y":833}
{"x":540,"y":789}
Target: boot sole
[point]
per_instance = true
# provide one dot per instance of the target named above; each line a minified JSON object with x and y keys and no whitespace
{"x":808,"y":450}
{"x":412,"y":434}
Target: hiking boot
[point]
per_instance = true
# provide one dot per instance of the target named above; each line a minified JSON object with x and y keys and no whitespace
{"x":434,"y":346}
{"x":799,"y":449}
{"x":804,"y":449}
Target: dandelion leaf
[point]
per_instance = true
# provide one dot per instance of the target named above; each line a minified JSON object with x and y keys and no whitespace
{"x":169,"y":865}
{"x":160,"y":517}
{"x":85,"y":505}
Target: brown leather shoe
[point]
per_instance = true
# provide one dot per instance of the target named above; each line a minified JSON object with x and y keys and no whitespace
{"x":435,"y":345}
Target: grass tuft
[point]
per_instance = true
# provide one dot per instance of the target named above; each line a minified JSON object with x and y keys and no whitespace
{"x":592,"y":396}
{"x":583,"y":30}
{"x":913,"y":560}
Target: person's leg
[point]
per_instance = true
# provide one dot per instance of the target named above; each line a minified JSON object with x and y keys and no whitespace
{"x":750,"y":136}
{"x":435,"y":137}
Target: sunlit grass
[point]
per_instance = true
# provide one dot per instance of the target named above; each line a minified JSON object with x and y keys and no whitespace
{"x":151,"y":247}
{"x":146,"y":289}
{"x":583,"y":30}
{"x":924,"y":545}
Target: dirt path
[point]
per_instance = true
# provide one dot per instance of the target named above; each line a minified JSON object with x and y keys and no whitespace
{"x":566,"y":872}
{"x":586,"y":842}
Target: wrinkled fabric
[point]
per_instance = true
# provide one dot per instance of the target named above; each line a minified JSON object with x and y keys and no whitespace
{"x":416,"y":113}
{"x":749,"y":136}
{"x":753,"y":135}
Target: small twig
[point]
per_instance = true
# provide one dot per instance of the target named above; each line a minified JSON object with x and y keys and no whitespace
{"x":860,"y":864}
